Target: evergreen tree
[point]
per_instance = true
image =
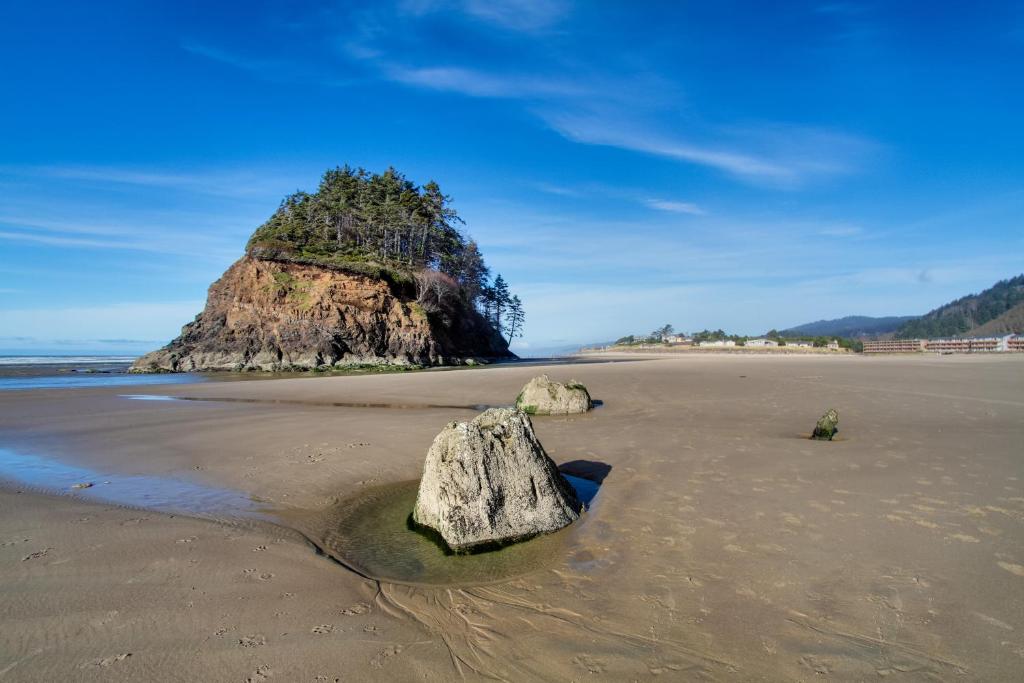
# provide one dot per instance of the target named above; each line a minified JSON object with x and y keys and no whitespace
{"x":516,"y":318}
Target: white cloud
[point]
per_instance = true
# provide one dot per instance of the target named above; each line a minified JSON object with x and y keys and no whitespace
{"x":789,"y":156}
{"x":526,"y":16}
{"x":519,"y":15}
{"x":676,"y":207}
{"x":223,"y":183}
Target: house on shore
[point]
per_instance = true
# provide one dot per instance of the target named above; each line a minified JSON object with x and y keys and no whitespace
{"x":761,"y":343}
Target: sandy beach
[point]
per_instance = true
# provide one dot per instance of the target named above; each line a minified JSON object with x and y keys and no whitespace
{"x":722,"y":544}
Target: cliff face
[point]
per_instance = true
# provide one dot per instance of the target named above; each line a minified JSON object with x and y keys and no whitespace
{"x":270,"y":315}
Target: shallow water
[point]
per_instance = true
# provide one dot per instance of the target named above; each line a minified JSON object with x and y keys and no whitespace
{"x":478,"y":407}
{"x":78,"y":372}
{"x":163,"y":494}
{"x":371,"y":535}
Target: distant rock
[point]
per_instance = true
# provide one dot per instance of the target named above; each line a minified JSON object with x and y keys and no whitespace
{"x":542,"y":396}
{"x":489,"y":481}
{"x":827,"y":426}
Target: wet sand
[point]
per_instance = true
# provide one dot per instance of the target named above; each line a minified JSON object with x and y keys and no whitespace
{"x":723,"y":545}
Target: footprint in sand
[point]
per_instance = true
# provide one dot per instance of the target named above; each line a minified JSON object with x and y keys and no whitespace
{"x":356,"y":610}
{"x":36,"y":555}
{"x":381,"y":658}
{"x":261,"y":673}
{"x":110,"y":661}
{"x":591,"y":664}
{"x":322,"y":629}
{"x":16,"y":542}
{"x":252,"y":641}
{"x":264,"y":576}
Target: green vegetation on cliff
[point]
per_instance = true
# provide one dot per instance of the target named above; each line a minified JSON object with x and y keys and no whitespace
{"x":965,"y":314}
{"x":385,"y":226}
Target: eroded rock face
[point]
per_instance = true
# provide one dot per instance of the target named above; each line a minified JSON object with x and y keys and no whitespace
{"x":827,"y":426}
{"x":542,"y":396}
{"x":489,"y":481}
{"x":273,"y":315}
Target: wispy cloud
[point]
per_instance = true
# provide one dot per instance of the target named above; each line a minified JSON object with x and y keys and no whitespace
{"x":676,"y":207}
{"x":621,"y":193}
{"x":529,"y":16}
{"x":223,"y":183}
{"x":519,"y":15}
{"x":475,"y":83}
{"x":792,"y":155}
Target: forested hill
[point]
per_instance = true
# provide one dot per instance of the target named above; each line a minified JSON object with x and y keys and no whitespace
{"x":963,"y":316}
{"x":850,"y":327}
{"x":384,"y":225}
{"x":365,"y":222}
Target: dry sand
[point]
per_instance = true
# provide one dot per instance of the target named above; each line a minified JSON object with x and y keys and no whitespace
{"x":723,"y":544}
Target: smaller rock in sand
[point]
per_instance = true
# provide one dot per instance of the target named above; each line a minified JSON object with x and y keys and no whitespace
{"x":542,"y":396}
{"x":827,"y":426}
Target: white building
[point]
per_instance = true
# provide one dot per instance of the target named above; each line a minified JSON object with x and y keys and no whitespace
{"x":833,"y":345}
{"x":721,"y":343}
{"x":761,"y":343}
{"x":799,"y":344}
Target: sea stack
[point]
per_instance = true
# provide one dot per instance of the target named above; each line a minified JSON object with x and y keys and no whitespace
{"x":827,"y":426}
{"x":339,"y":278}
{"x":543,"y":396}
{"x":490,"y":482}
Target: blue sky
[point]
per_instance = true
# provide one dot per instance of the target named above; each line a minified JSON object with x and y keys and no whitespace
{"x":623,"y":165}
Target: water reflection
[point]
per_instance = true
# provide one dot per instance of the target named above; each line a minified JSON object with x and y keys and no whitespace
{"x":163,"y":494}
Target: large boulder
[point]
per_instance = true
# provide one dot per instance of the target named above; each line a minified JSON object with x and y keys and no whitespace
{"x":542,"y":396}
{"x":827,"y":426}
{"x":489,"y":481}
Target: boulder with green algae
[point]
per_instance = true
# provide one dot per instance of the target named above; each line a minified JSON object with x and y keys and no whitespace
{"x":543,"y":396}
{"x":490,"y":482}
{"x":827,"y":426}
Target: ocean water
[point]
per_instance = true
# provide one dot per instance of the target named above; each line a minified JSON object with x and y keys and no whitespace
{"x":78,"y":371}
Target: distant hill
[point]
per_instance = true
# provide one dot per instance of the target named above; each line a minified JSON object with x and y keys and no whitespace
{"x":1011,"y":322}
{"x":997,"y":309}
{"x":851,"y":327}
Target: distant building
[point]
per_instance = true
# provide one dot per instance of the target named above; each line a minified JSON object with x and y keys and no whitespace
{"x":800,"y":344}
{"x":979,"y":345}
{"x":678,"y":339}
{"x":952,"y":345}
{"x":761,"y":343}
{"x":833,"y":345}
{"x":894,"y":346}
{"x":719,"y":343}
